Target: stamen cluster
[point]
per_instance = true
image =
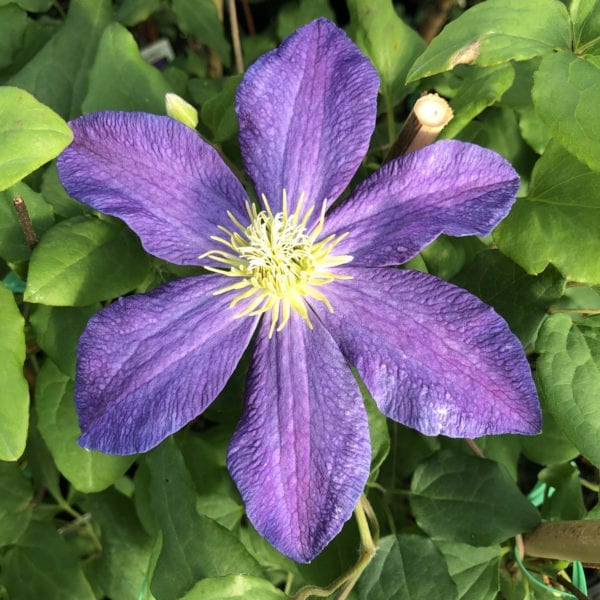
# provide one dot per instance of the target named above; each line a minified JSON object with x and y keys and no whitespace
{"x":278,"y":261}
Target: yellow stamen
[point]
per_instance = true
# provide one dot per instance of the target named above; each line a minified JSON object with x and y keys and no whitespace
{"x":278,"y":260}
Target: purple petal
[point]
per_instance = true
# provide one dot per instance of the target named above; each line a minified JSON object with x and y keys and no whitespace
{"x":449,"y":187}
{"x":306,"y":112}
{"x":300,"y":455}
{"x":149,"y":364}
{"x":433,"y":356}
{"x":156,"y":174}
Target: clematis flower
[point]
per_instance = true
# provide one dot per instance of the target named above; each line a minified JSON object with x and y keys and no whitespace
{"x":314,"y":284}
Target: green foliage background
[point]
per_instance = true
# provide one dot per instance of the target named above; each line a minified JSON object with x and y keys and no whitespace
{"x":523,"y":78}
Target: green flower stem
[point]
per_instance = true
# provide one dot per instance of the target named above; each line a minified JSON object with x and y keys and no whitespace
{"x":368,"y":546}
{"x":589,"y":485}
{"x":60,"y":9}
{"x":578,"y":311}
{"x":389,"y":111}
{"x":80,"y":520}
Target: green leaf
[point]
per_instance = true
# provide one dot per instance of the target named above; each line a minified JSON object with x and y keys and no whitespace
{"x":503,"y":449}
{"x":58,"y":74}
{"x":120,"y":79}
{"x":57,"y":332}
{"x":15,"y":496}
{"x":14,"y":391}
{"x":566,"y":94}
{"x":518,"y":97}
{"x":498,"y":129}
{"x":494,"y":32}
{"x":481,"y":87}
{"x":55,"y":195}
{"x":391,"y":45}
{"x":378,"y":431}
{"x":13,"y":23}
{"x":254,"y":46}
{"x":13,"y":247}
{"x":569,"y":376}
{"x":559,"y":221}
{"x":566,"y":503}
{"x":268,"y":557}
{"x":87,"y":470}
{"x":409,"y":566}
{"x":42,"y":566}
{"x":550,"y":446}
{"x":132,"y":12}
{"x":234,"y":587}
{"x":585,"y":15}
{"x":126,"y":547}
{"x":446,"y":255}
{"x":522,"y":299}
{"x":30,"y":5}
{"x":44,"y":473}
{"x":220,"y":508}
{"x":409,"y":448}
{"x":31,"y":134}
{"x":210,"y":475}
{"x":533,"y":130}
{"x":474,"y":570}
{"x":466,"y":499}
{"x":85,"y":260}
{"x":194,"y":546}
{"x":218,"y":111}
{"x":293,"y":15}
{"x":199,"y":19}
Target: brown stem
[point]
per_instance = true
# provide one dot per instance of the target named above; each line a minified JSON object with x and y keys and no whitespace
{"x":569,"y":586}
{"x":235,"y":37}
{"x":436,"y":18}
{"x":215,"y":66}
{"x":248,"y":17}
{"x":565,"y":540}
{"x":25,"y":222}
{"x":476,"y":449}
{"x":429,"y":116}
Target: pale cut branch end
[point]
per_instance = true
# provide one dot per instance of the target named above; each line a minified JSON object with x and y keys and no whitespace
{"x":430,"y":114}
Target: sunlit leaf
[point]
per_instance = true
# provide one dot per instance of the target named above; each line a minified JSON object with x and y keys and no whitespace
{"x":585,"y":15}
{"x":58,"y":74}
{"x":14,"y":391}
{"x":84,"y":260}
{"x":566,"y":94}
{"x":31,"y":134}
{"x":559,"y":220}
{"x":569,"y":375}
{"x":389,"y":42}
{"x":494,"y":32}
{"x":120,"y":79}
{"x":87,"y":470}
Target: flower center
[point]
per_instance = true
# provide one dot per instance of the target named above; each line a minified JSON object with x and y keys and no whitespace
{"x":278,"y":262}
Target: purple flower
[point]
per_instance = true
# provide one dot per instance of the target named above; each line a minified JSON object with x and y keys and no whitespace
{"x":313,"y":285}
